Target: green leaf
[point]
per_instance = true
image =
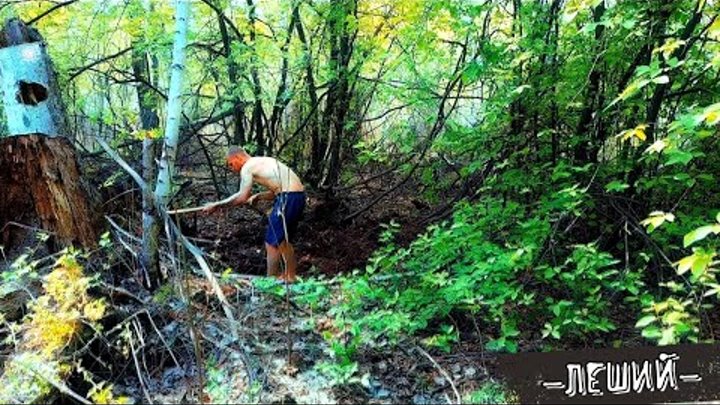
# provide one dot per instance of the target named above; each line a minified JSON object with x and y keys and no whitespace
{"x":683,"y":328}
{"x":511,"y":346}
{"x":645,"y":321}
{"x":520,"y":89}
{"x":628,"y":24}
{"x":667,"y":337}
{"x":700,"y":234}
{"x":471,"y":73}
{"x":678,"y":156}
{"x":616,"y":185}
{"x":685,"y":264}
{"x":698,"y":262}
{"x":657,"y":146}
{"x":701,"y":264}
{"x":652,"y":332}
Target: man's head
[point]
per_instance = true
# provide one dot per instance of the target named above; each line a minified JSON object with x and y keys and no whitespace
{"x":236,"y":159}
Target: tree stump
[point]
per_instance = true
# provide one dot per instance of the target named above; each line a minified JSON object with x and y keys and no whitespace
{"x":40,"y":181}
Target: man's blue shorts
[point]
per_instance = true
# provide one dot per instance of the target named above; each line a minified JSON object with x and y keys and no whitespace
{"x":288,"y":207}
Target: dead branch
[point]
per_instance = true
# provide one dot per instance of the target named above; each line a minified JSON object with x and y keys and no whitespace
{"x":120,"y":161}
{"x":443,"y":372}
{"x":139,"y":374}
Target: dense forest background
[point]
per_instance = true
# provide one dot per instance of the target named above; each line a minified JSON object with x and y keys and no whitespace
{"x":485,"y":176}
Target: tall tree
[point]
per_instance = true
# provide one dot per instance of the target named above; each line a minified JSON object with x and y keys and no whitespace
{"x":282,"y":98}
{"x":163,"y":188}
{"x":314,"y":169}
{"x":258,"y":113}
{"x":239,"y":133}
{"x":342,"y":36}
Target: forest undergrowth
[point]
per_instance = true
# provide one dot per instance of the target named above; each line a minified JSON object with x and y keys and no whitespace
{"x":483,"y":178}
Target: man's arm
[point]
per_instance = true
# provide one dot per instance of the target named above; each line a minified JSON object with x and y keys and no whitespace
{"x":242,"y":196}
{"x":265,"y":195}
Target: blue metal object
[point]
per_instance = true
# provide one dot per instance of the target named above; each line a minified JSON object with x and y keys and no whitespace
{"x":27,"y":99}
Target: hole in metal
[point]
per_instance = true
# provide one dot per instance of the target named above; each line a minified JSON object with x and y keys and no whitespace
{"x":31,"y":93}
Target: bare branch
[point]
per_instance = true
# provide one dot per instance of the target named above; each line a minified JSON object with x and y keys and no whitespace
{"x":51,"y":10}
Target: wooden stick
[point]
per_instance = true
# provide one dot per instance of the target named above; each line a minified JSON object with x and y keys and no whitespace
{"x":185,"y":210}
{"x":195,"y":209}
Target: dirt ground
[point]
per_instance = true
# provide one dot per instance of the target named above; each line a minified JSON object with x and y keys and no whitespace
{"x":275,"y":358}
{"x":234,"y":237}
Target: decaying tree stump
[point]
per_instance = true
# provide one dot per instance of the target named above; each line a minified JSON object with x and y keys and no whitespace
{"x":40,"y":174}
{"x":40,"y":181}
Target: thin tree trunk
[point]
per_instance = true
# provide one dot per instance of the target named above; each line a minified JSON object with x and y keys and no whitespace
{"x":257,"y":116}
{"x":238,"y":137}
{"x":282,"y":98}
{"x":341,"y":53}
{"x":653,"y":110}
{"x":517,"y":109}
{"x":315,"y":146}
{"x":149,"y":120}
{"x":586,"y":151}
{"x":661,"y":89}
{"x":163,"y":187}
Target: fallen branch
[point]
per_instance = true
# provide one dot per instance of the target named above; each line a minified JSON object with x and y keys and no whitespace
{"x":59,"y":385}
{"x":120,"y":161}
{"x":200,"y":259}
{"x":194,"y":250}
{"x":443,"y":372}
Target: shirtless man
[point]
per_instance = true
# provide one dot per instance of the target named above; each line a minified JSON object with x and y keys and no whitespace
{"x":285,"y":187}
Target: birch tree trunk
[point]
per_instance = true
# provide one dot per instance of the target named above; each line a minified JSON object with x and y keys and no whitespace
{"x":167,"y":161}
{"x":163,"y":187}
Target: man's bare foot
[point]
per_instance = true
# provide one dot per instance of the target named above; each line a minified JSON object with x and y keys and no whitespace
{"x":287,"y":279}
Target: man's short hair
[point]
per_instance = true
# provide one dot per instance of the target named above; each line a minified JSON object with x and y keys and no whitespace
{"x":235,"y":150}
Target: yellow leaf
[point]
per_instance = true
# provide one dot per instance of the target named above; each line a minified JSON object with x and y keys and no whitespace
{"x":147,"y":134}
{"x":714,"y":29}
{"x":101,"y":394}
{"x":711,"y":115}
{"x":674,"y":317}
{"x":639,"y":132}
{"x":629,"y":91}
{"x":94,"y":310}
{"x":661,"y":306}
{"x":636,"y":134}
{"x":685,"y":264}
{"x":670,"y":45}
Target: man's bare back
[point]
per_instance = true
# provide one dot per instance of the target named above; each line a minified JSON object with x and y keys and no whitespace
{"x":271,"y":173}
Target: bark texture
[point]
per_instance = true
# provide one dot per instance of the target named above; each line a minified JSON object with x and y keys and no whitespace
{"x":40,"y":178}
